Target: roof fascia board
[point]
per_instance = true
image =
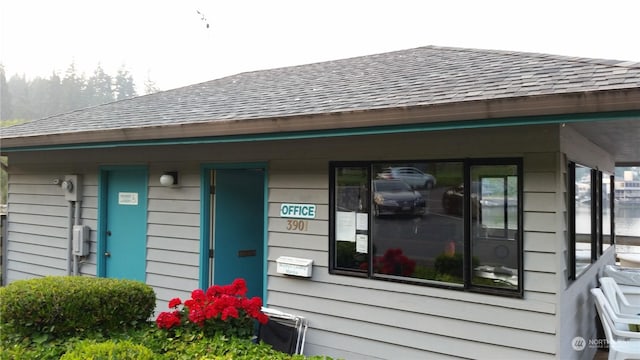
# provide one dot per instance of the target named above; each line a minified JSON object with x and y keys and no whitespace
{"x":359,"y":131}
{"x":449,"y":114}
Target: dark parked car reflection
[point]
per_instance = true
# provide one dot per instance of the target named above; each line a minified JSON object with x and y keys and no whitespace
{"x":453,"y":201}
{"x":392,"y":197}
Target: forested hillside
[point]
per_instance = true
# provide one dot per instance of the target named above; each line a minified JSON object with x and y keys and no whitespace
{"x":26,"y":99}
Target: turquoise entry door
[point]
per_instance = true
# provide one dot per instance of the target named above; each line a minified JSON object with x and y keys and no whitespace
{"x":126,"y":224}
{"x":239,"y":228}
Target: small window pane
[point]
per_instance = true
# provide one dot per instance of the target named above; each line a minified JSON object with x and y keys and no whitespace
{"x":606,"y":211}
{"x":351,"y":218}
{"x":494,"y":229}
{"x":417,"y":227}
{"x":583,"y":218}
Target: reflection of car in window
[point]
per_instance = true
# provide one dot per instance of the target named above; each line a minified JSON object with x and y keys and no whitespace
{"x":391,"y":197}
{"x":410,"y":175}
{"x":453,"y":201}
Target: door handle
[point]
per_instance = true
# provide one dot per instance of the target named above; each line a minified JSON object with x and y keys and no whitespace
{"x":107,"y":254}
{"x":108,"y":232}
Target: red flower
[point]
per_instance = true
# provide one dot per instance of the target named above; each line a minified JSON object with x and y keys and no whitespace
{"x":174,"y":302}
{"x":167,"y":320}
{"x":196,"y":316}
{"x":239,"y":287}
{"x":262,"y":318}
{"x":229,"y":311}
{"x":197,"y":295}
{"x":393,"y":262}
{"x":220,"y":307}
{"x":214,"y":290}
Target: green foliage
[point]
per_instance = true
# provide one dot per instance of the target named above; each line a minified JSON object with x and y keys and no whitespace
{"x":52,"y":349}
{"x":447,"y":264}
{"x":121,"y":350}
{"x":40,"y":97}
{"x":123,"y":85}
{"x":221,"y":347}
{"x":183,"y":345}
{"x":7,"y":123}
{"x":58,"y":306}
{"x":452,"y":264}
{"x":94,"y":318}
{"x":347,"y":257}
{"x":6,"y":111}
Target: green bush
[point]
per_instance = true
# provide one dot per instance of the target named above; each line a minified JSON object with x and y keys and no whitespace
{"x":58,"y":306}
{"x":108,"y":350}
{"x":190,"y":346}
{"x":449,"y":264}
{"x":185,"y":346}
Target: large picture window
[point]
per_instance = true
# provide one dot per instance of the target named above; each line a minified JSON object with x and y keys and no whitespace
{"x":455,"y":224}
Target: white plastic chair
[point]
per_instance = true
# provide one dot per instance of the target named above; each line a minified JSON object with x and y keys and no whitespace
{"x":618,"y":300}
{"x":623,"y":275}
{"x":623,"y":344}
{"x":628,"y":279}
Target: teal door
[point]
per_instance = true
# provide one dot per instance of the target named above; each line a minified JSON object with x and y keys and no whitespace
{"x":125,"y":239}
{"x":239,"y":228}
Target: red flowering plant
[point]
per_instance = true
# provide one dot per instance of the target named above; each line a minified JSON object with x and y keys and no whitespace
{"x":221,"y":309}
{"x":394,"y":262}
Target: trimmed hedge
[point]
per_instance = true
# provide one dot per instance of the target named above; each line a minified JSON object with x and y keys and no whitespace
{"x":69,"y":305}
{"x":121,"y":350}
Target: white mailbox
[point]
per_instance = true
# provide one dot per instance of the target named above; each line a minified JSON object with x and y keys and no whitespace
{"x":294,"y":266}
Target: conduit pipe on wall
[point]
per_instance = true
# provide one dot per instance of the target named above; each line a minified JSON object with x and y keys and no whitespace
{"x":71,"y":186}
{"x":70,"y":238}
{"x":76,"y":221}
{"x":73,"y":263}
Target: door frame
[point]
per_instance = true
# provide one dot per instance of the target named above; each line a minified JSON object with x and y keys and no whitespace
{"x":205,"y":218}
{"x":103,"y":196}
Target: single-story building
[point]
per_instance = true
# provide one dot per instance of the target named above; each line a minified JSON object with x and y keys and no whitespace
{"x":427,"y":203}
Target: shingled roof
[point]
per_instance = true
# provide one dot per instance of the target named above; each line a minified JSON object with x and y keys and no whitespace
{"x":421,"y":77}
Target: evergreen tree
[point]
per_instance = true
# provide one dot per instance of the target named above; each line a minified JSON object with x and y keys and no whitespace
{"x":54,"y":95}
{"x":5,"y":97}
{"x":150,"y":86}
{"x":38,"y":94}
{"x":124,"y":86}
{"x":72,"y":90}
{"x":99,"y":87}
{"x":19,"y":90}
{"x":41,"y":97}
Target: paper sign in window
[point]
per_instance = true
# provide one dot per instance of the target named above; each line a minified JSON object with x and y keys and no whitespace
{"x":362,"y":243}
{"x":362,"y":222}
{"x":345,"y":226}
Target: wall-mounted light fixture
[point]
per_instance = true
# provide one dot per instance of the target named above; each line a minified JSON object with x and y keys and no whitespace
{"x":169,"y":178}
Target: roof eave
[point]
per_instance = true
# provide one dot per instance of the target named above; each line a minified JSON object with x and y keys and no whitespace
{"x":603,"y":101}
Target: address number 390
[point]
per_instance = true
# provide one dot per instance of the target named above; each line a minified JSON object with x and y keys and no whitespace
{"x":297,"y":225}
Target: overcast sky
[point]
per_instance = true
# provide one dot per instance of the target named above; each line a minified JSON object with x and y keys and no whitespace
{"x":169,"y":42}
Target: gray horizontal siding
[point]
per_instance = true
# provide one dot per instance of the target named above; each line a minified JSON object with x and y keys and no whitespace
{"x":173,"y":234}
{"x":37,"y":230}
{"x":38,"y":227}
{"x":391,"y":318}
{"x":350,"y":317}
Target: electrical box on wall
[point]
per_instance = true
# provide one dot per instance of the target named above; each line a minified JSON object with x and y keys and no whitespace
{"x":71,"y":185}
{"x":81,"y":236}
